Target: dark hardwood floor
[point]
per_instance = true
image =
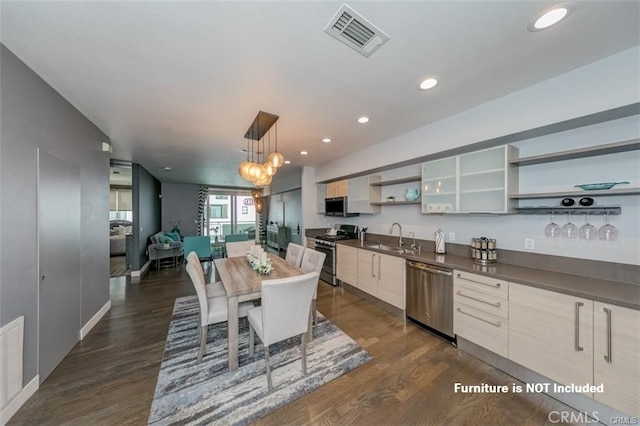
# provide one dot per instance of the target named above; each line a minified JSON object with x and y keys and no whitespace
{"x":109,"y":377}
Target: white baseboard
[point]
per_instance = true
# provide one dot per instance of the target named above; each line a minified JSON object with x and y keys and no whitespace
{"x":18,"y":401}
{"x":141,"y":271}
{"x":94,"y":320}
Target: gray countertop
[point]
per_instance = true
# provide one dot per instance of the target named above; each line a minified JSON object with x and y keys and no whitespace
{"x":621,"y":294}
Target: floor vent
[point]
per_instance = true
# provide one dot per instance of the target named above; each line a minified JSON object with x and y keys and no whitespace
{"x":355,"y":31}
{"x":11,"y":341}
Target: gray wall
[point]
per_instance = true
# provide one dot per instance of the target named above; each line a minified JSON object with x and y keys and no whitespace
{"x":33,"y":116}
{"x":146,"y":212}
{"x":180,"y":201}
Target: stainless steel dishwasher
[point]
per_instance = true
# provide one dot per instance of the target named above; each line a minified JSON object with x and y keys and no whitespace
{"x":430,"y":297}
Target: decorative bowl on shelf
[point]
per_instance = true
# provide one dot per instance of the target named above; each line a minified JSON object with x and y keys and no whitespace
{"x":391,"y":199}
{"x":599,"y":186}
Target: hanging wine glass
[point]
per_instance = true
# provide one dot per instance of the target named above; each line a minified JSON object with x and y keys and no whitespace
{"x":552,"y":230}
{"x":608,"y":232}
{"x":588,"y":231}
{"x":569,"y":230}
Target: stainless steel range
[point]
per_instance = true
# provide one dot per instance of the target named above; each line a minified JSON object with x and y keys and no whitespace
{"x":327,"y":244}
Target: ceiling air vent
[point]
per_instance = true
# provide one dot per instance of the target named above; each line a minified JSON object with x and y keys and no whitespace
{"x":355,"y":31}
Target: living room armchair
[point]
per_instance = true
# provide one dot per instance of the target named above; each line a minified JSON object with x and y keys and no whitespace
{"x":164,"y":246}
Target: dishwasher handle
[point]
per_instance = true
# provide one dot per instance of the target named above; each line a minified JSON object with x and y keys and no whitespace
{"x":425,"y":267}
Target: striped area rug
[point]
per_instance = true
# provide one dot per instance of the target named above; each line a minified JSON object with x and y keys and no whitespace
{"x":207,"y":393}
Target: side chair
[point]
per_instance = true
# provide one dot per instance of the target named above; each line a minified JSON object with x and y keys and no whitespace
{"x":213,"y":310}
{"x":238,"y":248}
{"x":294,"y":254}
{"x":312,"y":261}
{"x":284,"y":313}
{"x":213,"y":288}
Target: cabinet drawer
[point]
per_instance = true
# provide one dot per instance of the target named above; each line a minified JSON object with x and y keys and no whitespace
{"x":487,"y":330}
{"x":482,"y":284}
{"x":481,"y":301}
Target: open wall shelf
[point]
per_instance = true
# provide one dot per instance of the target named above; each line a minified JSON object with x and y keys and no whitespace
{"x":610,"y":148}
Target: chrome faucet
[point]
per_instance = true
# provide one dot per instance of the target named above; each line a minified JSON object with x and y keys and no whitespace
{"x":413,"y":246}
{"x":400,"y":242}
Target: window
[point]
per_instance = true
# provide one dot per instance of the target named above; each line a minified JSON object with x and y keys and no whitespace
{"x":230,"y":214}
{"x":219,"y":211}
{"x":120,"y":204}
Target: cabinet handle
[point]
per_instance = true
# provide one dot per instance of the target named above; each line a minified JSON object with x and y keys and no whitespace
{"x":495,"y":324}
{"x":607,"y":357}
{"x":497,"y":304}
{"x":497,"y":285}
{"x":373,"y":273}
{"x":379,"y":274}
{"x":578,"y":348}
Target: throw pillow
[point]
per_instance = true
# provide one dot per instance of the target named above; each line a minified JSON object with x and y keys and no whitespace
{"x":173,"y":235}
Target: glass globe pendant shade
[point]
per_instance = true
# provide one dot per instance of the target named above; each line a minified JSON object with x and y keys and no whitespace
{"x":276,"y":159}
{"x":271,"y":170}
{"x":264,"y":182}
{"x":254,"y":172}
{"x":243,"y":169}
{"x":263,"y":172}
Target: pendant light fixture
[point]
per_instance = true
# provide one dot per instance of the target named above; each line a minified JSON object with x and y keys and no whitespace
{"x":260,"y":168}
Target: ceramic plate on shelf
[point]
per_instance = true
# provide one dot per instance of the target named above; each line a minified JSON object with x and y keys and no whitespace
{"x":599,"y":186}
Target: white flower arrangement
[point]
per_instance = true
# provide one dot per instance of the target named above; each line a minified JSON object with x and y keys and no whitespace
{"x":262,"y":268}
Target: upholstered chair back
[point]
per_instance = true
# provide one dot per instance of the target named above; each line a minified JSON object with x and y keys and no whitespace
{"x":294,"y":254}
{"x":286,"y":304}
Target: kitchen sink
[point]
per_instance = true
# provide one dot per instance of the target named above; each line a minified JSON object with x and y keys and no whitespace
{"x":385,"y":247}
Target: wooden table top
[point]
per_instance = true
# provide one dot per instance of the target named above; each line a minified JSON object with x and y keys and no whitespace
{"x":238,"y":277}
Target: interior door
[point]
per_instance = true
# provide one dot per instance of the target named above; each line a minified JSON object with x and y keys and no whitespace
{"x":58,"y":260}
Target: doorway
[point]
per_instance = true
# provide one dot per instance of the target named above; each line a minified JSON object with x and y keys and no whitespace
{"x":59,"y":264}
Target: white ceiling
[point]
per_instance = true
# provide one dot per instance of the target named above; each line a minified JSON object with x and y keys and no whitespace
{"x":177,"y":83}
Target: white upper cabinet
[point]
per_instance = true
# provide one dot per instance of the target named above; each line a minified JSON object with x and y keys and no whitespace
{"x":477,"y":182}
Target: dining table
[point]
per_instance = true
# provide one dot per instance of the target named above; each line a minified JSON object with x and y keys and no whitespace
{"x":242,"y":283}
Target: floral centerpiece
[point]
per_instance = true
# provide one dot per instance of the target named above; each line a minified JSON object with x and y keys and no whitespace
{"x":259,"y":261}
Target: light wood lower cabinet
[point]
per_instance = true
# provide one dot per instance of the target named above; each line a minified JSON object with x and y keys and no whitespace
{"x":378,"y":274}
{"x":481,"y":311}
{"x":347,"y":264}
{"x":391,"y":275}
{"x":368,"y":271}
{"x":616,"y":356}
{"x":552,"y":334}
{"x":310,"y":242}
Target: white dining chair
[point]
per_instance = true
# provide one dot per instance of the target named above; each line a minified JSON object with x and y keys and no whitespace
{"x":312,"y":261}
{"x":238,"y":248}
{"x":294,"y":254}
{"x":214,"y":289}
{"x":213,"y":310}
{"x":284,"y":313}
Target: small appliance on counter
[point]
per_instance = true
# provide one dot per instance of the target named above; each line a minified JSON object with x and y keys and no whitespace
{"x":483,"y":250}
{"x":439,"y":241}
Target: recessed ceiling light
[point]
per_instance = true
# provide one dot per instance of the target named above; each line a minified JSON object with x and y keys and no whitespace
{"x":429,"y":83}
{"x":326,"y":140}
{"x":167,"y":168}
{"x":303,"y":152}
{"x":287,"y":161}
{"x":363,"y":120}
{"x":549,"y":18}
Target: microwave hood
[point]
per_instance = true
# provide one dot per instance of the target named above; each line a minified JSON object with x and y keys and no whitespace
{"x":337,"y":207}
